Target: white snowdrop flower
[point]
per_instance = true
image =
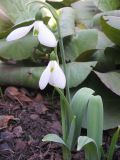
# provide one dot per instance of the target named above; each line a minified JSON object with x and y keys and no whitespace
{"x":45,"y":36}
{"x":53,"y":75}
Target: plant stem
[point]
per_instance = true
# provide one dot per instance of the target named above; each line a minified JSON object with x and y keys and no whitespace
{"x":63,"y":61}
{"x":66,"y":153}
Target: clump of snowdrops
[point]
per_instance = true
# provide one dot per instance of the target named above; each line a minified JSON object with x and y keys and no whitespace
{"x":74,"y":110}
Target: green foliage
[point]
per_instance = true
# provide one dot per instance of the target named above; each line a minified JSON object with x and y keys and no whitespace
{"x":81,"y":45}
{"x":84,"y":26}
{"x":113,"y":144}
{"x":53,"y":138}
{"x":110,"y":79}
{"x":95,"y":121}
{"x":91,"y":32}
{"x":107,"y":5}
{"x":18,"y":50}
{"x":78,"y":106}
{"x":89,"y":146}
{"x":111,"y":27}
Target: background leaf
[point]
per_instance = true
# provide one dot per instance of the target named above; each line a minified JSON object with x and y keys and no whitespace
{"x":77,"y":72}
{"x":106,"y":5}
{"x":84,"y":12}
{"x":111,"y":27}
{"x":19,"y":49}
{"x":111,"y":80}
{"x":81,"y":44}
{"x":67,"y":15}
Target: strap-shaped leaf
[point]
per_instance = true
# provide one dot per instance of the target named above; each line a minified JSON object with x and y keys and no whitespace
{"x":95,"y":120}
{"x":90,"y":147}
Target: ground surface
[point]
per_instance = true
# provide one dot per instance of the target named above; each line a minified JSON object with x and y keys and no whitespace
{"x":25,"y":117}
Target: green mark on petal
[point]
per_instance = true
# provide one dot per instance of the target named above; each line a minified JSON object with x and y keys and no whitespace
{"x":51,"y":69}
{"x":35,"y":32}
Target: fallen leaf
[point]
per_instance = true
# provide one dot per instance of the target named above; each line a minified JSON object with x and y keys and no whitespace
{"x":14,"y":94}
{"x":38,"y":98}
{"x":4,"y":121}
{"x":24,"y":98}
{"x":11,"y":92}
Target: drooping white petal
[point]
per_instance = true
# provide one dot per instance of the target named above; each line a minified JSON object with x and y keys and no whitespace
{"x":57,"y":77}
{"x":19,"y":33}
{"x":44,"y":79}
{"x":45,"y":36}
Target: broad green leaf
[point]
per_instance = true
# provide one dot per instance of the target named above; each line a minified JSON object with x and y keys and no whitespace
{"x":78,"y":106}
{"x":111,"y":80}
{"x":84,"y":11}
{"x":97,"y":17}
{"x":107,"y":5}
{"x":95,"y":120}
{"x":111,"y":27}
{"x":103,"y":41}
{"x":81,"y":45}
{"x":18,"y":11}
{"x":19,"y":49}
{"x":53,"y":138}
{"x":90,"y":147}
{"x":112,"y":147}
{"x":67,"y":21}
{"x":77,"y":72}
{"x":113,"y":54}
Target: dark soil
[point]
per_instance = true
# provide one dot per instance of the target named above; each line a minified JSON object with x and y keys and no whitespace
{"x":25,"y":118}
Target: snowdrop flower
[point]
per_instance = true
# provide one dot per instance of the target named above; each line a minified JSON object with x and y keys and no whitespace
{"x":45,"y":36}
{"x":53,"y":75}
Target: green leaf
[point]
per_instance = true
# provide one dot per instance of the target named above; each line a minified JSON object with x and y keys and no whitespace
{"x":67,"y":15}
{"x":81,"y":45}
{"x":103,"y":41}
{"x":110,"y":100}
{"x":78,"y":106}
{"x":19,"y":49}
{"x":77,"y":72}
{"x":97,"y":17}
{"x":70,"y":139}
{"x":53,"y":138}
{"x":68,"y":2}
{"x":111,"y":80}
{"x":90,"y":147}
{"x":65,"y":114}
{"x":113,"y":54}
{"x":113,"y":144}
{"x":107,"y":5}
{"x":84,"y":11}
{"x":95,"y":120}
{"x":5,"y":22}
{"x":111,"y":27}
{"x":18,"y":11}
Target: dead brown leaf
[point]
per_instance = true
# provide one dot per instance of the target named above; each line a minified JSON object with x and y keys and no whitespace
{"x":4,"y":120}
